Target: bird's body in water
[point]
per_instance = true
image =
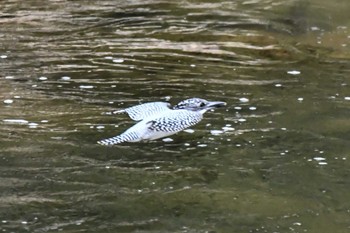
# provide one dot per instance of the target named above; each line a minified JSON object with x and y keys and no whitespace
{"x":158,"y":119}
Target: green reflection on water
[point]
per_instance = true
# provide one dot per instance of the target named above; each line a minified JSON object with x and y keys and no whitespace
{"x":283,"y":168}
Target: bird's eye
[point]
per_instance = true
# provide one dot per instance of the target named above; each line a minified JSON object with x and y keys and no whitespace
{"x":202,"y":104}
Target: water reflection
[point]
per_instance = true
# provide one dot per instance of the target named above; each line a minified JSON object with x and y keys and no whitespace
{"x":274,"y":161}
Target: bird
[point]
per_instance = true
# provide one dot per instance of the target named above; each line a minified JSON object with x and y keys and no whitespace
{"x":158,"y":119}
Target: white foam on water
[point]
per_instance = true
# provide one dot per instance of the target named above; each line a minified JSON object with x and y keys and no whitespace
{"x":168,"y":139}
{"x":189,"y":130}
{"x":244,"y":100}
{"x":16,"y":121}
{"x":86,"y":86}
{"x":293,"y":72}
{"x":8,"y":101}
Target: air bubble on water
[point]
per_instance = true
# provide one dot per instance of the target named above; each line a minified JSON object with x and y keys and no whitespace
{"x":238,"y":108}
{"x":8,"y":101}
{"x":118,"y":60}
{"x":3,"y":56}
{"x":42,"y":78}
{"x":202,"y":145}
{"x":78,"y":223}
{"x":100,"y":127}
{"x":168,"y":139}
{"x":33,"y":125}
{"x":57,"y":138}
{"x":278,"y":85}
{"x":9,"y":77}
{"x":293,"y":72}
{"x":86,"y":86}
{"x":189,"y":130}
{"x":252,"y":108}
{"x":216,"y":132}
{"x":65,"y":78}
{"x":319,"y":158}
{"x":16,"y":121}
{"x":244,"y":100}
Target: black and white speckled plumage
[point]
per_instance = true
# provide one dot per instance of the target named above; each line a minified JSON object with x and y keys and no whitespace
{"x":157,"y":120}
{"x":175,"y":121}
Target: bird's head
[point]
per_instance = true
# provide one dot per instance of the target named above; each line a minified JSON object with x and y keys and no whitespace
{"x":198,"y":104}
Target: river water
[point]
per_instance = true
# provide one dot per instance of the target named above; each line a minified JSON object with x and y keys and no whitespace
{"x":276,"y":159}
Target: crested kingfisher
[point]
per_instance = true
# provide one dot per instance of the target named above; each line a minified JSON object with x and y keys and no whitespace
{"x":158,"y":119}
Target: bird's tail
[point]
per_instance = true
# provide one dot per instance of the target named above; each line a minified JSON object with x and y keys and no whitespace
{"x":111,"y":141}
{"x":124,"y":137}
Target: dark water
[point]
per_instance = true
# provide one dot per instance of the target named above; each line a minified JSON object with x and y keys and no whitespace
{"x":275,"y":160}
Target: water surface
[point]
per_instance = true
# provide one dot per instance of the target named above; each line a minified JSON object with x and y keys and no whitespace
{"x":274,"y":160}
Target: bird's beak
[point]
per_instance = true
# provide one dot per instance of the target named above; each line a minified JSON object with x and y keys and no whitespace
{"x":215,"y":104}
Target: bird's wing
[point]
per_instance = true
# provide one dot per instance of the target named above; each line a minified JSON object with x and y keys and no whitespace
{"x":174,"y":121}
{"x":142,"y":111}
